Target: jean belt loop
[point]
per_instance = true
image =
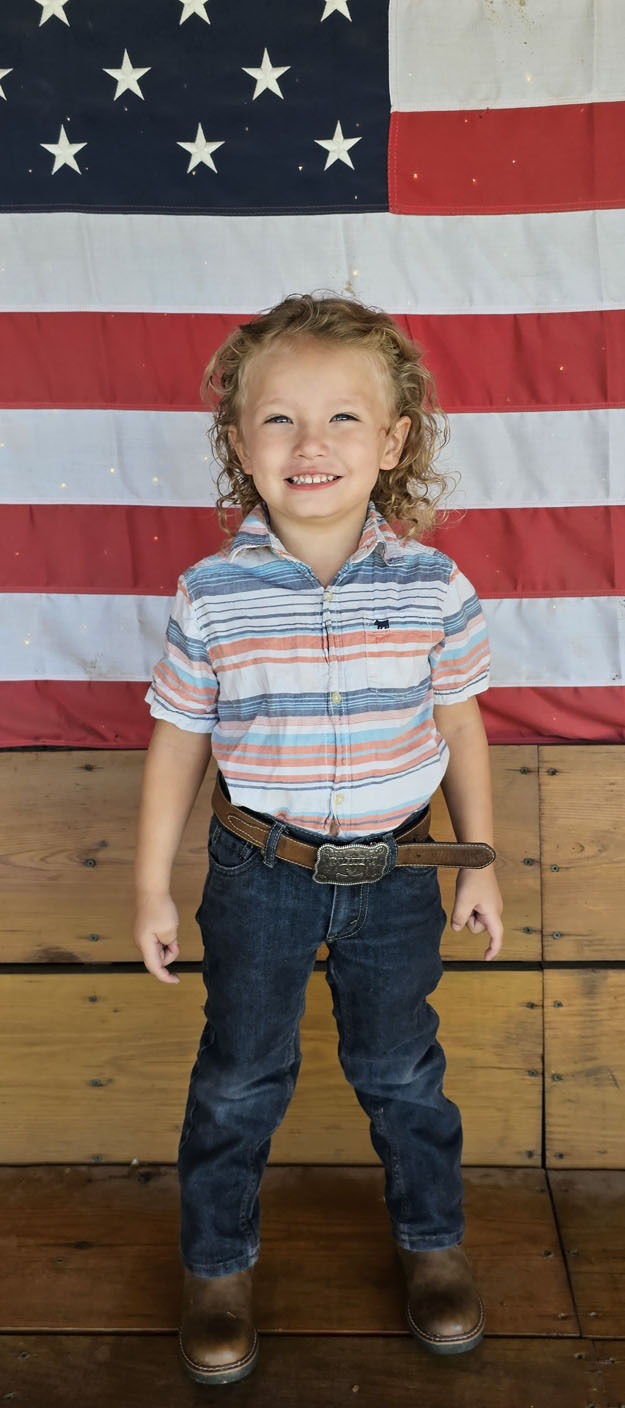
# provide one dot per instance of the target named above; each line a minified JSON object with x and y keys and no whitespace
{"x":269,"y":853}
{"x":392,"y":852}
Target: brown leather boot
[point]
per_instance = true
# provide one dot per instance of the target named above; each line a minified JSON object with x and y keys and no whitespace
{"x":218,"y":1341}
{"x":444,"y":1309}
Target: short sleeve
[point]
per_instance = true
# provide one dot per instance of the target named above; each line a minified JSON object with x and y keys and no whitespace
{"x":184,"y":686}
{"x":460,"y":662}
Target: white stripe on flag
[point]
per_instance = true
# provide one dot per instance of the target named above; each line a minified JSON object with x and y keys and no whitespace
{"x":546,"y":641}
{"x":505,"y":53}
{"x":531,"y":459}
{"x":573,"y":641}
{"x":67,"y":636}
{"x":572,"y":260}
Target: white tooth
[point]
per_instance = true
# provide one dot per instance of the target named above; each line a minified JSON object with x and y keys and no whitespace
{"x":313,"y":479}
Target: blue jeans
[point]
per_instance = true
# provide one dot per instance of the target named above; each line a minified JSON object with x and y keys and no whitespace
{"x":262,"y":920}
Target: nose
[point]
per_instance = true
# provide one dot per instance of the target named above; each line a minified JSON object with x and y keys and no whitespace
{"x":311,"y":442}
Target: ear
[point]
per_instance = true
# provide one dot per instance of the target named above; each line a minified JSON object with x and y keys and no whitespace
{"x":238,"y":445}
{"x":395,"y":442}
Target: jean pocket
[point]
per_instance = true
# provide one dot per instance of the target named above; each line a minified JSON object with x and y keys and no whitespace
{"x":229,"y":854}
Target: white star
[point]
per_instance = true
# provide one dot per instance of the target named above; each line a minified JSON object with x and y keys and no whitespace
{"x":332,"y":5}
{"x":338,"y":147}
{"x":266,"y":77}
{"x":3,"y":74}
{"x":193,"y":7}
{"x":63,"y":152}
{"x":200,"y":150}
{"x":50,"y":9}
{"x":127,"y":77}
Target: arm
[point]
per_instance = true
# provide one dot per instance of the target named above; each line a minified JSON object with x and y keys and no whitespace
{"x":175,"y":764}
{"x":466,"y":788}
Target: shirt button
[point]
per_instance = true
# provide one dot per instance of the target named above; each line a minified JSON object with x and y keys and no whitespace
{"x":328,"y":596}
{"x":339,"y":797}
{"x":336,"y":697}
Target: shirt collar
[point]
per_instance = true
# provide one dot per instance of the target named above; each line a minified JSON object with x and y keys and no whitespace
{"x":256,"y":532}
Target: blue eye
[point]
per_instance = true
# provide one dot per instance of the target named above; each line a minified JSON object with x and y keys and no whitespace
{"x":340,"y":415}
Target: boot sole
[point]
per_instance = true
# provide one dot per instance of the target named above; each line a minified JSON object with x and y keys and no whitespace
{"x":437,"y":1345}
{"x":202,"y":1374}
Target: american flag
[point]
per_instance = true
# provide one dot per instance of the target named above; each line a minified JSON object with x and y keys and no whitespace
{"x":170,"y":167}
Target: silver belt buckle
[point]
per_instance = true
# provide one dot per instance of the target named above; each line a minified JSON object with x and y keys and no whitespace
{"x":350,"y":865}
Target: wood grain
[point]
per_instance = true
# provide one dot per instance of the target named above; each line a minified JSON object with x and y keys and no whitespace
{"x":590,"y":1210}
{"x":97,"y":1371}
{"x":97,"y":1249}
{"x":611,"y":1370}
{"x":68,"y":837}
{"x":582,"y":793}
{"x":94,"y":1068}
{"x":585,"y":1068}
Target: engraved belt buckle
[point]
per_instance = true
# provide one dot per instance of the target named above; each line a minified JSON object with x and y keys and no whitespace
{"x":350,"y":865}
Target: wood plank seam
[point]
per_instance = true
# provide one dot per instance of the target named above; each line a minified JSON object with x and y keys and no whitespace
{"x":563,"y":1256}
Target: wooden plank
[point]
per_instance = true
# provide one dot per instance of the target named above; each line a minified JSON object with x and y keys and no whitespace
{"x":97,"y":1249}
{"x":517,"y":839}
{"x":68,"y":838}
{"x":611,"y":1369}
{"x":590,"y":1211}
{"x":510,"y":1232}
{"x":583,"y":866}
{"x":94,"y":1068}
{"x":68,"y":830}
{"x":97,"y":1371}
{"x":491,"y":1031}
{"x":584,"y":1068}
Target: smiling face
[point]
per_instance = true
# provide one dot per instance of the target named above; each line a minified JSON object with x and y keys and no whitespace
{"x":312,"y":408}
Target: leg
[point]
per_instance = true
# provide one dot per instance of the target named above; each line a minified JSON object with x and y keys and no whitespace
{"x":260,"y":943}
{"x":384,"y":961}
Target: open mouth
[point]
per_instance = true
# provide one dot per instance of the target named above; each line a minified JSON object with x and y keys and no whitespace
{"x":313,"y":481}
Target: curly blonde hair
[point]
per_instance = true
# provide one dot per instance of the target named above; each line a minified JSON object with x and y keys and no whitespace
{"x":411,"y":491}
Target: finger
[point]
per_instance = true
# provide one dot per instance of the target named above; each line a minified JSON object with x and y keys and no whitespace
{"x":166,"y":977}
{"x":496,"y":931}
{"x":493,"y":949}
{"x":171,"y":949}
{"x":168,"y":953}
{"x":160,"y":955}
{"x":475,"y":924}
{"x":163,"y":973}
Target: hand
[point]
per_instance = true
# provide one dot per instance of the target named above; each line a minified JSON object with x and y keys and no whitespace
{"x":479,"y":905}
{"x":155,"y":934}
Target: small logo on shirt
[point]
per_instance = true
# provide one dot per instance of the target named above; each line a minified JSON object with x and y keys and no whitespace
{"x":382,"y":625}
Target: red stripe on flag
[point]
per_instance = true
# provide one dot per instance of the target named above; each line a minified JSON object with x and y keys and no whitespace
{"x":98,"y":714}
{"x":577,"y":715}
{"x":102,"y":360}
{"x":126,"y":550}
{"x":481,"y":362}
{"x":117,"y":549}
{"x":538,"y":552}
{"x":507,"y":160}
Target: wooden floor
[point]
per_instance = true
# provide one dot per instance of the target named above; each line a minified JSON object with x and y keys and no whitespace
{"x":91,"y":1280}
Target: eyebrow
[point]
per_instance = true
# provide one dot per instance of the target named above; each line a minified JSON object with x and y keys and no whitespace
{"x":355,"y":398}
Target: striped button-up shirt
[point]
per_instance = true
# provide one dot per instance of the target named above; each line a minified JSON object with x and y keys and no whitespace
{"x":320,"y":699}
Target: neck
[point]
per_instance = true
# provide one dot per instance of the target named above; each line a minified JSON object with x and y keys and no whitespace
{"x":324,"y":547}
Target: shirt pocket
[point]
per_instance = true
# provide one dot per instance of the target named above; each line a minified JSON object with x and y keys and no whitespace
{"x":397,"y":651}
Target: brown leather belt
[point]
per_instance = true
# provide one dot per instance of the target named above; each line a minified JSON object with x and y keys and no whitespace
{"x":353,"y":863}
